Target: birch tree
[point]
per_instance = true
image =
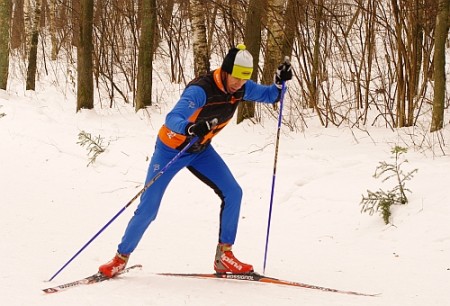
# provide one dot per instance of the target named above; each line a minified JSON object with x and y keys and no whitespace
{"x":5,"y":21}
{"x":201,"y":53}
{"x":275,"y":39}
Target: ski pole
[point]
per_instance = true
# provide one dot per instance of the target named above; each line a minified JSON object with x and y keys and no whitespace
{"x":161,"y":172}
{"x":280,"y":117}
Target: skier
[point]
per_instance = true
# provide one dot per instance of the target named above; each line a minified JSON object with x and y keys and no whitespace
{"x":205,"y":107}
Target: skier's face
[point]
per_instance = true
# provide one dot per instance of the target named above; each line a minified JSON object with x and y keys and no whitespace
{"x":234,"y":84}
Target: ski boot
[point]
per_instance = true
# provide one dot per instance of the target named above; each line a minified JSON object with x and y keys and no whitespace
{"x":225,"y":262}
{"x":114,"y":266}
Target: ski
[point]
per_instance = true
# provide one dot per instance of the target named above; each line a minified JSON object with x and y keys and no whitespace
{"x":256,"y":277}
{"x":93,"y":279}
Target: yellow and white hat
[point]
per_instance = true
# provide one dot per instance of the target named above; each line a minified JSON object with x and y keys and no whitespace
{"x":238,"y":62}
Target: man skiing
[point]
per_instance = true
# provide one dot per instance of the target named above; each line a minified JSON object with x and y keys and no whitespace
{"x":206,"y":106}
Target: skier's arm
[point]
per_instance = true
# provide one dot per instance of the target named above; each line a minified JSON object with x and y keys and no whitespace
{"x":261,"y":93}
{"x":269,"y":94}
{"x":191,"y":99}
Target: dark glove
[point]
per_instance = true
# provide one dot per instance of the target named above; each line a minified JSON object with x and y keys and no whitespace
{"x":201,"y":128}
{"x":283,"y":73}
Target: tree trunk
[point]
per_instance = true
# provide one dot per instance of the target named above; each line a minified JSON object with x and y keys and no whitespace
{"x":53,"y":11}
{"x":400,"y":72}
{"x":17,"y":25}
{"x":252,"y":40}
{"x":85,"y":82}
{"x":35,"y":18}
{"x":5,"y":21}
{"x":201,"y":53}
{"x":274,"y":40}
{"x":315,"y":69}
{"x":415,"y":54}
{"x":290,"y":27}
{"x":440,"y":37}
{"x":145,"y":59}
{"x":76,"y":11}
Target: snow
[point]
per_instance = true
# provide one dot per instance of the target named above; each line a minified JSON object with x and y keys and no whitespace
{"x":52,"y":204}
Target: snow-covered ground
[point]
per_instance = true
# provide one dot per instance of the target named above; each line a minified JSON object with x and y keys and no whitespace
{"x":52,"y":204}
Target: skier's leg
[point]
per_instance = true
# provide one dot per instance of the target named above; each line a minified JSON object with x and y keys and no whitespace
{"x":209,"y":167}
{"x":151,"y":199}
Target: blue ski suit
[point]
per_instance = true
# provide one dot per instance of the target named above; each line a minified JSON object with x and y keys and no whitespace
{"x":204,"y":98}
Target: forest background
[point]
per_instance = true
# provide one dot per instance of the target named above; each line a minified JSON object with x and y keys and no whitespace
{"x":360,"y":68}
{"x":356,"y":63}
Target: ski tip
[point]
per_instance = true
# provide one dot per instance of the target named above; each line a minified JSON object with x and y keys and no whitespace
{"x":94,"y":278}
{"x":139,"y":266}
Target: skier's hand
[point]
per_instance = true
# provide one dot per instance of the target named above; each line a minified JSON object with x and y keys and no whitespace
{"x":283,"y":73}
{"x":201,"y":128}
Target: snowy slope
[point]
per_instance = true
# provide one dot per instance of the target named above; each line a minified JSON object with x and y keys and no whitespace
{"x":52,"y":204}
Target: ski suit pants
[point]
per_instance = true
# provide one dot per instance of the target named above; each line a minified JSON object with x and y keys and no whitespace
{"x":206,"y":165}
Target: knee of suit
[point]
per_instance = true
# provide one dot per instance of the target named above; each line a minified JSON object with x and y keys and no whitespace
{"x":148,"y":208}
{"x":146,"y":213}
{"x":234,"y":195}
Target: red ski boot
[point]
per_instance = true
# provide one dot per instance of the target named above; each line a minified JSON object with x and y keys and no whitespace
{"x":225,"y":261}
{"x":114,"y":266}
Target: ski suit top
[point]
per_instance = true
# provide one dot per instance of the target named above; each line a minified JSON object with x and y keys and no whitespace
{"x":206,"y":98}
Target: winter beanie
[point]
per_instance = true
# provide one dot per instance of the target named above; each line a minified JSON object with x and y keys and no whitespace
{"x":238,"y":62}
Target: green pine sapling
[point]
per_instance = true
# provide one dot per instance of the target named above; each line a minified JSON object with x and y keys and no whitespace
{"x":382,"y":201}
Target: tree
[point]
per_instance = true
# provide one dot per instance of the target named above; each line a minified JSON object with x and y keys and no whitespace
{"x":145,"y":60}
{"x":275,"y":39}
{"x":53,"y":14}
{"x":33,"y":17}
{"x":290,"y":27}
{"x":316,"y":62}
{"x":252,"y":40}
{"x":201,"y":53}
{"x":17,"y":25}
{"x":75,"y":9}
{"x":85,"y":83}
{"x":408,"y":33}
{"x":440,"y":37}
{"x":5,"y":20}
